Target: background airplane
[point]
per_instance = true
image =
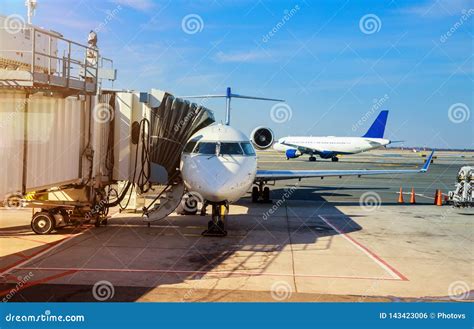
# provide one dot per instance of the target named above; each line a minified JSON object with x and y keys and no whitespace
{"x":330,"y":147}
{"x":219,"y":164}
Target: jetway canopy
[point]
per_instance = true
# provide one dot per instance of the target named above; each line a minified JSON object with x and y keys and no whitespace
{"x":172,"y":124}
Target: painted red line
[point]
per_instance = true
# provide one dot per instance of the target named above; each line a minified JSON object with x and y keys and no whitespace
{"x":33,"y":240}
{"x":40,"y":253}
{"x":367,"y":250}
{"x":20,"y":254}
{"x":124,"y":270}
{"x":404,"y":278}
{"x":11,"y":277}
{"x":12,"y":265}
{"x":50,"y":245}
{"x":35,"y":283}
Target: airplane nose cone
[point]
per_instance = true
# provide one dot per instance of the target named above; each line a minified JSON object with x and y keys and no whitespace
{"x":218,"y":192}
{"x":218,"y":179}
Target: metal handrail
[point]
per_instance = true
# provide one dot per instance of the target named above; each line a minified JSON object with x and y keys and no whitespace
{"x":61,"y":61}
{"x":84,"y":66}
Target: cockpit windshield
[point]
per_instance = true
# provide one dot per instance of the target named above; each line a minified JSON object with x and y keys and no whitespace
{"x":206,"y":148}
{"x":220,"y":148}
{"x":248,"y":148}
{"x":231,"y":149}
{"x":190,"y":147}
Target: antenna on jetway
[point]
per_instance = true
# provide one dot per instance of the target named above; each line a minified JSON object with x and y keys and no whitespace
{"x":228,"y":96}
{"x":31,"y":6}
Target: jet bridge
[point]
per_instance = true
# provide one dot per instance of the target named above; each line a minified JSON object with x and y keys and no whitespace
{"x":67,"y":142}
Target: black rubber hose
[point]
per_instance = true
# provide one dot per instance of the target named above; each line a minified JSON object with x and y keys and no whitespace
{"x":120,"y":198}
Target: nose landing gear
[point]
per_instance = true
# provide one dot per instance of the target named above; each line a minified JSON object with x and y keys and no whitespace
{"x":216,"y":226}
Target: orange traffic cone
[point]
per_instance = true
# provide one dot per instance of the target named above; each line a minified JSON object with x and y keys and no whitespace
{"x":412,"y":196}
{"x":439,"y":199}
{"x":435,"y":197}
{"x":400,"y":196}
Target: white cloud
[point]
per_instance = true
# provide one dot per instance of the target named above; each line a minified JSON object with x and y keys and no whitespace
{"x":243,"y":57}
{"x":439,"y":8}
{"x":140,"y":5}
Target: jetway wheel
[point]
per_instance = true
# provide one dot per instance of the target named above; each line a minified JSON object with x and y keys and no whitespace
{"x":42,"y":223}
{"x":101,"y":221}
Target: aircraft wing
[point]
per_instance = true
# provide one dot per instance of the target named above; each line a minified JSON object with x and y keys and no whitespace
{"x":273,"y":175}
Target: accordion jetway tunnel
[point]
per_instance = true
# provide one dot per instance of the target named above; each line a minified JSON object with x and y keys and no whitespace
{"x":159,"y":141}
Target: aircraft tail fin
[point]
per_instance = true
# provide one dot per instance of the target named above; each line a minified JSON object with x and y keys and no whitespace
{"x":377,"y":128}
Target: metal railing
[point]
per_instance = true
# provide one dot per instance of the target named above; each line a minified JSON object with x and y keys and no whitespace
{"x":55,"y":60}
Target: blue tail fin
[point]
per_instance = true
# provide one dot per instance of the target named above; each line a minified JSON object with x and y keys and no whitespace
{"x":377,"y":128}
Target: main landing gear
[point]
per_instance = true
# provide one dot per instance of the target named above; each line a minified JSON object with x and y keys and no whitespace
{"x":261,"y":192}
{"x":334,"y":159}
{"x":312,"y":158}
{"x":216,"y":226}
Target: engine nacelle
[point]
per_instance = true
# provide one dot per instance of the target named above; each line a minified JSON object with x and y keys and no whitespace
{"x":262,"y":138}
{"x":292,"y":153}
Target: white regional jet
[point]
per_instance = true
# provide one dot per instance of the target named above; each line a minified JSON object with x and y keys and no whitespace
{"x":330,"y":147}
{"x":219,"y":165}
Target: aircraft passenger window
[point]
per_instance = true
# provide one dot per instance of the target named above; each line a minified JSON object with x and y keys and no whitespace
{"x":189,"y":147}
{"x":206,"y":148}
{"x":248,"y":148}
{"x":231,"y":149}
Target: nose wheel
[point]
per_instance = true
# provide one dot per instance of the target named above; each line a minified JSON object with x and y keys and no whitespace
{"x":216,"y":226}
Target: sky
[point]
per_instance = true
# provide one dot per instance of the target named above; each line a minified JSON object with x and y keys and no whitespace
{"x":337,"y":63}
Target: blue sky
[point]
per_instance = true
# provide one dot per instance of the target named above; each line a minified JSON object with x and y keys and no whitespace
{"x":415,"y":59}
